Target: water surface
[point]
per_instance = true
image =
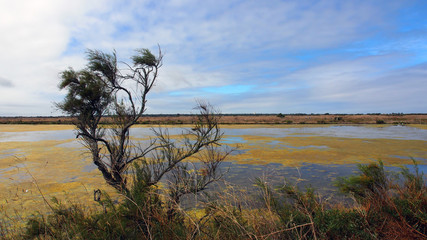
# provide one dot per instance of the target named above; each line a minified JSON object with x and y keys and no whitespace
{"x":305,"y":155}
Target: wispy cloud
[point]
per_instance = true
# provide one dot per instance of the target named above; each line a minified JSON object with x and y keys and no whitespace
{"x":244,"y":56}
{"x":5,"y":83}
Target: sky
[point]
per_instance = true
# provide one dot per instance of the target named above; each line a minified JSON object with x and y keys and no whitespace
{"x":241,"y":56}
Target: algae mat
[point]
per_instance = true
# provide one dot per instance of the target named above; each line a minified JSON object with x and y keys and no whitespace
{"x":39,"y":161}
{"x":33,"y":171}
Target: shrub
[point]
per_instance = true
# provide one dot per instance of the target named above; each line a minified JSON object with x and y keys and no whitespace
{"x":396,"y":208}
{"x":337,"y":119}
{"x":280,"y":115}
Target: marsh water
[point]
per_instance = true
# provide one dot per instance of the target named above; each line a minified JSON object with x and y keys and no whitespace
{"x":306,"y":155}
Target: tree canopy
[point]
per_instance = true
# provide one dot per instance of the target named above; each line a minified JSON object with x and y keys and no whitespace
{"x":103,"y":88}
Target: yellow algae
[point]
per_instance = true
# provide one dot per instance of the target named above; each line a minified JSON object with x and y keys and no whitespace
{"x":163,"y":126}
{"x":293,"y":151}
{"x":46,"y":167}
{"x":34,"y":127}
{"x":196,"y":213}
{"x":67,"y":172}
{"x":243,"y":126}
{"x":420,"y":126}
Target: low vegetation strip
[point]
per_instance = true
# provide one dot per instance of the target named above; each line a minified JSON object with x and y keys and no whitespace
{"x":387,"y":206}
{"x":248,"y":119}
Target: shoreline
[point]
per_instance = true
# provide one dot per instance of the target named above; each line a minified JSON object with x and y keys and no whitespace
{"x":249,"y":119}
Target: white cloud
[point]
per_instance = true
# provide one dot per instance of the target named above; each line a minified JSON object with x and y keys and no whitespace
{"x":5,"y":83}
{"x":35,"y":35}
{"x":369,"y":84}
{"x":177,"y":77}
{"x":207,"y":44}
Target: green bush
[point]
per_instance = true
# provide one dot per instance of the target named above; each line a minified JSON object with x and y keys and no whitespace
{"x":399,"y":203}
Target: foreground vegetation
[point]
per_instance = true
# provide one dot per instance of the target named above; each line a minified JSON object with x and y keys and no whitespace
{"x":387,"y":206}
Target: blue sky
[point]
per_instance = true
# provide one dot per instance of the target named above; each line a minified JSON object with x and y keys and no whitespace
{"x":242,"y":56}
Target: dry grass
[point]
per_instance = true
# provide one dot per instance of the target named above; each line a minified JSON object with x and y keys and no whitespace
{"x":247,"y":119}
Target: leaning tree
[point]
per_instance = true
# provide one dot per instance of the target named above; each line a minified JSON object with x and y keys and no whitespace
{"x":119,"y":90}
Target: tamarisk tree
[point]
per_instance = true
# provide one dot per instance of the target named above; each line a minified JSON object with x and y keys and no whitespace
{"x":101,"y":89}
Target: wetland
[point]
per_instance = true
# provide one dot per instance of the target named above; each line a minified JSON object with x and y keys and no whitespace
{"x":43,"y":161}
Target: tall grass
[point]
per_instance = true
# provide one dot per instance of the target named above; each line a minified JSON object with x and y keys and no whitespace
{"x":386,"y":206}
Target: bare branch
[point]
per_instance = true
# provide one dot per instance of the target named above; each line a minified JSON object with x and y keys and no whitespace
{"x":102,"y":89}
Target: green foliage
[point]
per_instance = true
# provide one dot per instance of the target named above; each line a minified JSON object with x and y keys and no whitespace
{"x":342,"y":224}
{"x":227,"y":222}
{"x":65,"y":221}
{"x":302,"y":215}
{"x":338,"y":119}
{"x":280,"y":115}
{"x":395,"y":203}
{"x":371,"y":182}
{"x":104,"y":64}
{"x":144,"y":58}
{"x":413,"y":182}
{"x":141,"y":215}
{"x":389,"y":209}
{"x":102,"y":89}
{"x":87,"y":97}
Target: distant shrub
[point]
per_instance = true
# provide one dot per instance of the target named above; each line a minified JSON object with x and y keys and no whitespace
{"x":380,"y":121}
{"x":280,"y":115}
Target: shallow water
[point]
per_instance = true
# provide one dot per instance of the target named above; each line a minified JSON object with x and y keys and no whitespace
{"x":306,"y":155}
{"x":388,"y":132}
{"x":344,"y":131}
